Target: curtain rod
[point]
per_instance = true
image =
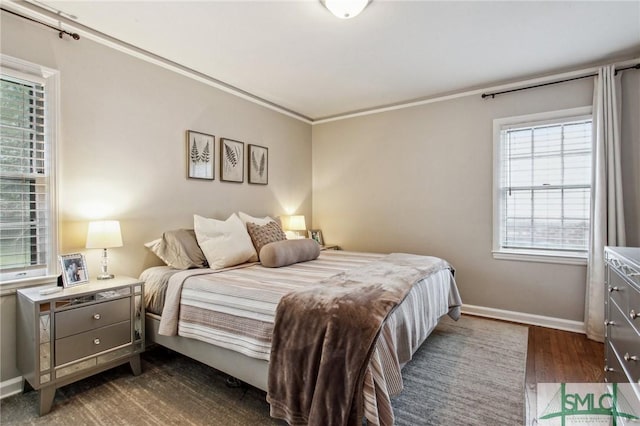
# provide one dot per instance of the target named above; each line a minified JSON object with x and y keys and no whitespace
{"x":494,"y":94}
{"x":61,"y":32}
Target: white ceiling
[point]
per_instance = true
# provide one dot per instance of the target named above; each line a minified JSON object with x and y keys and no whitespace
{"x":297,"y":55}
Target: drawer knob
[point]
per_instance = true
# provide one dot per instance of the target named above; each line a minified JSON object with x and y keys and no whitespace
{"x":630,"y":358}
{"x":612,"y":289}
{"x":606,"y":323}
{"x":97,"y":342}
{"x":96,"y":316}
{"x":633,"y":314}
{"x":607,"y":369}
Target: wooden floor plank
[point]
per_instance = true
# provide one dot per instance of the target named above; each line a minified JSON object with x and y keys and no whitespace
{"x":555,"y":356}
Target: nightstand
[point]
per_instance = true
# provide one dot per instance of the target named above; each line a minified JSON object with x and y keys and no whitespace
{"x":77,"y":332}
{"x":329,"y":247}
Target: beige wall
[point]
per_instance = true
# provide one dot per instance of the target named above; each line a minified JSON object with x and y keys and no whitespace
{"x":420,"y":180}
{"x":122,"y":151}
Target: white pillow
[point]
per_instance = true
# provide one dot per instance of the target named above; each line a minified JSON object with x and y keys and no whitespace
{"x":224,"y":243}
{"x":257,"y":220}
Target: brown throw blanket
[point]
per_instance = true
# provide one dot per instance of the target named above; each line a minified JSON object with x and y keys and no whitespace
{"x":324,"y":337}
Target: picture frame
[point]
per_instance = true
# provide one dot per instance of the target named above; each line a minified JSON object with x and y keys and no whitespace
{"x":316,"y":235}
{"x":200,"y":155}
{"x":74,"y":269}
{"x":258,"y":164}
{"x":231,"y":160}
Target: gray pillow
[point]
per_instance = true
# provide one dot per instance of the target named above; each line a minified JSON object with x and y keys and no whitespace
{"x":179,"y":249}
{"x":288,"y":252}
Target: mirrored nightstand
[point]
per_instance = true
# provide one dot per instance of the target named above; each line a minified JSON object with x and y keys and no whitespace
{"x":74,"y":333}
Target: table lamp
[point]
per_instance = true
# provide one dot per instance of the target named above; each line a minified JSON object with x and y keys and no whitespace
{"x":104,"y":234}
{"x":297,"y":223}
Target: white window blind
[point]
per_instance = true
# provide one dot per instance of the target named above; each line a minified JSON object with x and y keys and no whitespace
{"x":545,"y":186}
{"x":24,"y":179}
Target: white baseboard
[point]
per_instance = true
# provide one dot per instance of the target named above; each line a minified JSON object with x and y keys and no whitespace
{"x":524,"y":318}
{"x":10,"y":387}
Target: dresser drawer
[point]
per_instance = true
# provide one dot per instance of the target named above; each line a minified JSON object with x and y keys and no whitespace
{"x":91,"y":342}
{"x":626,"y":296}
{"x":625,"y":341}
{"x":625,"y":269}
{"x":78,"y":320}
{"x":613,"y":369}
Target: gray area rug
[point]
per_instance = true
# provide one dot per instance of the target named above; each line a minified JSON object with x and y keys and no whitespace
{"x":469,"y":372}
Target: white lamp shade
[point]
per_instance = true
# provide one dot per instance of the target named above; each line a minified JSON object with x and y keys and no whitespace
{"x":104,"y":234}
{"x":345,"y":9}
{"x":296,"y":223}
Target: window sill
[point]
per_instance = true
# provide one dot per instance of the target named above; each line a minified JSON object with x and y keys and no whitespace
{"x":10,"y":287}
{"x":532,"y":256}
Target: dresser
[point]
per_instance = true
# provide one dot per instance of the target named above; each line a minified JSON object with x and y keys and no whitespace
{"x":622,"y":316}
{"x":76,"y":332}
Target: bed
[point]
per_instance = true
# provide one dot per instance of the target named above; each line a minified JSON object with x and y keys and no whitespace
{"x":226,"y":318}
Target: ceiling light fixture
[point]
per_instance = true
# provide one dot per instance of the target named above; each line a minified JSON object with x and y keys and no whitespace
{"x":345,"y":9}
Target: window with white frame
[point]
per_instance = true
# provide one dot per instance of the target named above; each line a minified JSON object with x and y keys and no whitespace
{"x":27,"y":193}
{"x":542,"y":185}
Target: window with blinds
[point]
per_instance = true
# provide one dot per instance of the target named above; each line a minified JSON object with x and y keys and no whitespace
{"x":544,"y":186}
{"x":24,"y":179}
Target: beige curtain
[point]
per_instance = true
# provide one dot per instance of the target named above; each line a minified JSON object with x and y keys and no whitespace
{"x":607,"y":215}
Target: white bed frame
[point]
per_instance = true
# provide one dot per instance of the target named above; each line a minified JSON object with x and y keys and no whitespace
{"x":250,"y":370}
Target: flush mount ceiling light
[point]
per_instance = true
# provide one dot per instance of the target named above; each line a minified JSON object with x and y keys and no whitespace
{"x":345,"y":9}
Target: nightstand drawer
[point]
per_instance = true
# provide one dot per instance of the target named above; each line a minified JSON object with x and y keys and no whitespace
{"x":91,"y":342}
{"x":78,"y":320}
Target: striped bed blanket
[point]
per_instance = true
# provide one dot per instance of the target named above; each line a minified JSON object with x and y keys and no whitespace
{"x":235,"y":308}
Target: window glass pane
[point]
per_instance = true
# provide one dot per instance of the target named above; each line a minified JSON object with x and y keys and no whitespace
{"x":575,"y":234}
{"x":577,"y":169}
{"x":577,"y":137}
{"x":547,"y":233}
{"x":519,"y":204}
{"x":547,"y":140}
{"x":520,"y":173}
{"x":577,"y":203}
{"x":518,"y":233}
{"x":547,"y":170}
{"x":547,"y":203}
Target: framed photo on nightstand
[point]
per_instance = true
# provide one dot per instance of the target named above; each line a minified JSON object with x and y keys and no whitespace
{"x":316,"y":235}
{"x":74,"y":269}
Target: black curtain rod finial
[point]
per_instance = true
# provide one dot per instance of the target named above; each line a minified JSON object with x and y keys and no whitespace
{"x":74,"y":36}
{"x":61,"y":32}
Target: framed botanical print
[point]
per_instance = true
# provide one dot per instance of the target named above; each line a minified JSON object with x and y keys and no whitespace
{"x":200,"y":155}
{"x":258,"y":158}
{"x":231,"y":160}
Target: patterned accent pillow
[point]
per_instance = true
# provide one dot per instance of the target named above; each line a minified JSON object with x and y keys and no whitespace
{"x":262,"y":235}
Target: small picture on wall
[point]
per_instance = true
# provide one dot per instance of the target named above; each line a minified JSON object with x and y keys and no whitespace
{"x":231,"y":160}
{"x":200,"y":155}
{"x":258,"y":164}
{"x":316,"y":235}
{"x":74,"y":269}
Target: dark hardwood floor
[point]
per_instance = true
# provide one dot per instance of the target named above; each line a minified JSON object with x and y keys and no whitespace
{"x":555,"y":356}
